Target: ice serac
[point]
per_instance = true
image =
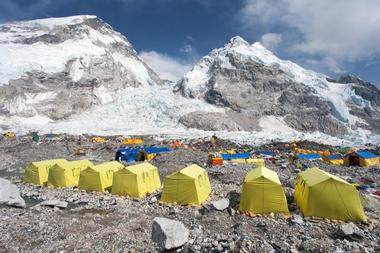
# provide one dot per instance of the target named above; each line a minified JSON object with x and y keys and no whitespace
{"x":254,"y":85}
{"x":58,"y":67}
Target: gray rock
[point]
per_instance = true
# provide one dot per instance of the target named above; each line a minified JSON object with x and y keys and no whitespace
{"x":297,"y":219}
{"x":169,"y":234}
{"x":350,"y":231}
{"x":53,"y":203}
{"x":9,"y":194}
{"x":261,"y":224}
{"x":220,"y":204}
{"x":372,"y":202}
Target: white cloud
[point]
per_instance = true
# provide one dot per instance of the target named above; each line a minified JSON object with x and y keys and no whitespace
{"x":342,"y":30}
{"x":188,"y":49}
{"x":271,"y":40}
{"x":165,"y":66}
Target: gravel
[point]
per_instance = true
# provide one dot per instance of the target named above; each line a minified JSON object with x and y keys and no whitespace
{"x":101,"y":222}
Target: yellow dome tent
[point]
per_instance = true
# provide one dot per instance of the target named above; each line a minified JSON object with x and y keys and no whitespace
{"x":38,"y":172}
{"x":262,"y":193}
{"x":136,"y":180}
{"x":187,"y":186}
{"x":99,"y":177}
{"x":318,"y":193}
{"x":67,"y":174}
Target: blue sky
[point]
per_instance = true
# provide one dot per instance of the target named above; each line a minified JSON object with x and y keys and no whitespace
{"x":333,"y":37}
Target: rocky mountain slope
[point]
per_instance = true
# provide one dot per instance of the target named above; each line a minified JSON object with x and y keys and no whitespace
{"x":77,"y":75}
{"x":60,"y":66}
{"x":256,"y":86}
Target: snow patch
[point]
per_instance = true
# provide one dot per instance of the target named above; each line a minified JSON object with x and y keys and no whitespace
{"x":137,"y":68}
{"x":60,"y":21}
{"x":50,"y":58}
{"x":274,"y":125}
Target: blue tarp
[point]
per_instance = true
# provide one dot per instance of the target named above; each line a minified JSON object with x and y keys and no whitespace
{"x":157,"y":150}
{"x":266,"y":153}
{"x":127,"y":154}
{"x":132,"y":154}
{"x":309,"y":156}
{"x":334,"y":157}
{"x":365,"y":154}
{"x":235,"y":156}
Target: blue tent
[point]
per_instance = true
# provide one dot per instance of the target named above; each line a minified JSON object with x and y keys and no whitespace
{"x":334,"y":157}
{"x":266,"y":153}
{"x":365,"y":154}
{"x":131,"y":154}
{"x":235,"y":156}
{"x":309,"y":156}
{"x":157,"y":150}
{"x":128,"y":154}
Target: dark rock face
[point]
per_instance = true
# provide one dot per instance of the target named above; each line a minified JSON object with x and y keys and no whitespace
{"x":363,"y":88}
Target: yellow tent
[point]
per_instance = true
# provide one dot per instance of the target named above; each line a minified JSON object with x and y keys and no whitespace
{"x":362,"y":159}
{"x":38,"y":172}
{"x":67,"y":174}
{"x":256,"y":161}
{"x":132,"y":141}
{"x":98,"y":139}
{"x":318,"y":193}
{"x":136,"y":180}
{"x":262,"y":192}
{"x":334,"y":159}
{"x":99,"y":177}
{"x":187,"y":186}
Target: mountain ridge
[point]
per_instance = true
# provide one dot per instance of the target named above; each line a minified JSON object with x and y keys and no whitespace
{"x":235,"y":75}
{"x":76,"y":74}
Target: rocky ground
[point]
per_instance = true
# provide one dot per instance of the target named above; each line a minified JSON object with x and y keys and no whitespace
{"x":101,"y":222}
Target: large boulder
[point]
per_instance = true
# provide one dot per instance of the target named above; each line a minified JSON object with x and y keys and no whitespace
{"x":53,"y":203}
{"x":9,"y":194}
{"x":372,"y":202}
{"x":220,"y":204}
{"x":350,"y":231}
{"x":169,"y":234}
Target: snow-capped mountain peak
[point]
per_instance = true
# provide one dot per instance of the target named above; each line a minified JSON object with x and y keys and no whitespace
{"x":70,"y":56}
{"x":238,"y":41}
{"x":250,"y":79}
